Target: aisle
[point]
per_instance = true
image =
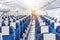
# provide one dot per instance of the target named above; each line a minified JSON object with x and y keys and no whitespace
{"x":32,"y":31}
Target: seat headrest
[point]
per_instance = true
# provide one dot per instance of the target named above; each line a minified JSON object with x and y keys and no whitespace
{"x":49,"y":36}
{"x":56,"y":24}
{"x":5,"y":30}
{"x":43,"y":23}
{"x":44,"y":29}
{"x":13,"y":24}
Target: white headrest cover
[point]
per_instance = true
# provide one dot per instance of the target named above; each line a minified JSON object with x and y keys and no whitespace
{"x":5,"y":30}
{"x":49,"y":36}
{"x":44,"y":29}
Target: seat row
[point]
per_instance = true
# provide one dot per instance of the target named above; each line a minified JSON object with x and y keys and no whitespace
{"x":46,"y":31}
{"x":10,"y":27}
